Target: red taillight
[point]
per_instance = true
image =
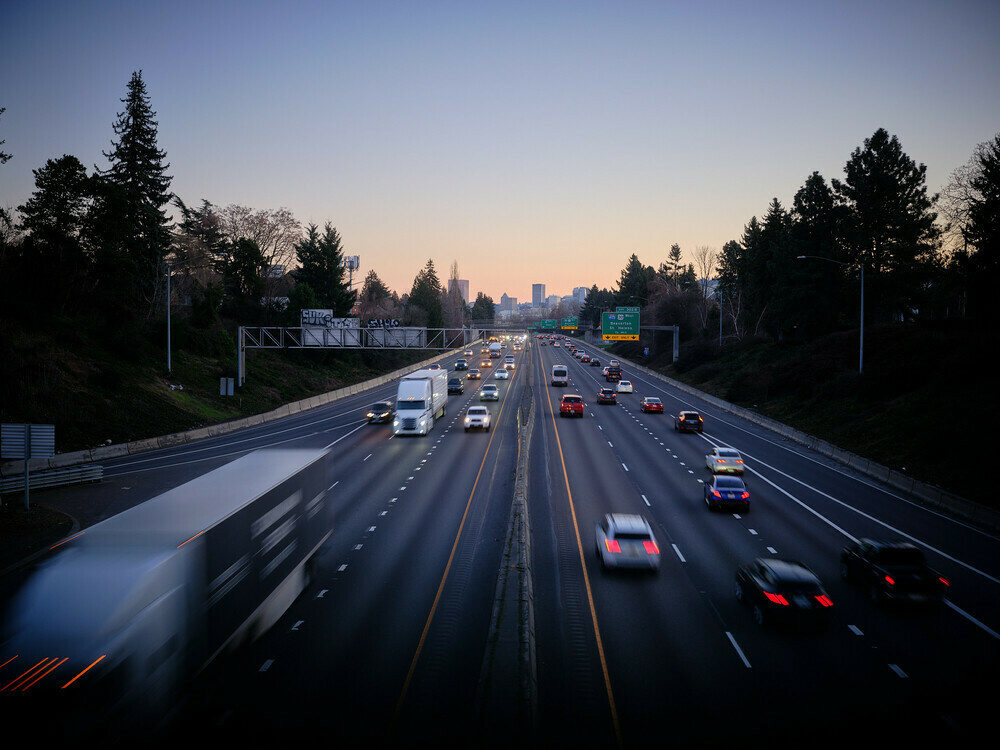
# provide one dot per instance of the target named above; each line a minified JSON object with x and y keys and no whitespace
{"x":651,"y":548}
{"x":612,"y":545}
{"x":944,"y":581}
{"x":739,"y":460}
{"x":717,"y":493}
{"x":745,"y":496}
{"x":890,"y":580}
{"x":824,"y":600}
{"x":776,"y":598}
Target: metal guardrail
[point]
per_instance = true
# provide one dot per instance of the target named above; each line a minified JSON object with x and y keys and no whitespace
{"x":52,"y":478}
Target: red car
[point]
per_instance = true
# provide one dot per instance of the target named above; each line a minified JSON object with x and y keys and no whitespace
{"x":651,"y":404}
{"x":571,"y":405}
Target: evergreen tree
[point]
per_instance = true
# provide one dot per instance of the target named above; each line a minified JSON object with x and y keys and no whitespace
{"x":138,"y":170}
{"x":633,"y":285}
{"x":321,"y":267}
{"x":890,"y":227}
{"x":483,"y":309}
{"x":57,"y":267}
{"x":424,"y":306}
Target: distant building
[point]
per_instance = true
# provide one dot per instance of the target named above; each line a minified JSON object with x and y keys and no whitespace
{"x":537,"y":295}
{"x":580,"y":294}
{"x":552,"y":302}
{"x":463,"y":288}
{"x":508,"y":303}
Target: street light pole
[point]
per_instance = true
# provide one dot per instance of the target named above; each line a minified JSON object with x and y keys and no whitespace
{"x":861,"y":351}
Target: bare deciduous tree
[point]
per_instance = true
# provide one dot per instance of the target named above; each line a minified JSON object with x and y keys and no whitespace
{"x":276,"y":233}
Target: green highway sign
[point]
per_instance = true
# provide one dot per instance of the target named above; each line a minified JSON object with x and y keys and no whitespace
{"x":570,"y":323}
{"x":548,"y":324}
{"x":620,"y":326}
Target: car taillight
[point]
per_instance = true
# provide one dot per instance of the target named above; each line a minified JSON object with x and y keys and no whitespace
{"x":890,"y":580}
{"x":717,"y":493}
{"x":825,"y":600}
{"x":944,"y":581}
{"x":776,"y":598}
{"x":612,"y":545}
{"x":651,"y":548}
{"x":739,"y":460}
{"x":745,"y":496}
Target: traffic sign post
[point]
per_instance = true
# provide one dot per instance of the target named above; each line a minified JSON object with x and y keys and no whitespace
{"x":620,"y":326}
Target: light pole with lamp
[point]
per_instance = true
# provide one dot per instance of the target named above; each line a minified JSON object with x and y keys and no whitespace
{"x":170,"y":267}
{"x":861,"y":353}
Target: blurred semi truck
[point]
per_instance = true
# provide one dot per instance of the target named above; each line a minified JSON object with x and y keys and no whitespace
{"x":106,"y":633}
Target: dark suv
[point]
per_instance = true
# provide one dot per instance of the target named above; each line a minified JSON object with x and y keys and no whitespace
{"x":455,"y":385}
{"x":689,"y":421}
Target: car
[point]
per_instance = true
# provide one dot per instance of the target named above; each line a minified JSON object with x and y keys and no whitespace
{"x":455,"y":385}
{"x":502,"y":375}
{"x":782,"y":591}
{"x":381,"y":411}
{"x":607,"y":396}
{"x":893,"y":572}
{"x":605,"y":371}
{"x":614,"y":363}
{"x":585,"y":358}
{"x":556,"y":344}
{"x":462,"y":364}
{"x":489,"y":392}
{"x":688,"y":421}
{"x":486,"y":363}
{"x":595,"y":362}
{"x":434,"y":366}
{"x":477,"y":418}
{"x":571,"y":405}
{"x":624,"y":386}
{"x":651,"y":405}
{"x":724,"y":460}
{"x":626,"y":540}
{"x":473,"y":374}
{"x":613,"y":374}
{"x":467,"y":353}
{"x":725,"y":491}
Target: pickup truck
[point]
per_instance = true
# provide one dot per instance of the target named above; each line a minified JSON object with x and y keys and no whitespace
{"x":893,"y":572}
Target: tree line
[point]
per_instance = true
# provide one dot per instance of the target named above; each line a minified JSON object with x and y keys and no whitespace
{"x":100,"y":246}
{"x":796,"y":272}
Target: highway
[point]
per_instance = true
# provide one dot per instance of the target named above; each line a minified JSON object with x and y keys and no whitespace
{"x":390,"y":642}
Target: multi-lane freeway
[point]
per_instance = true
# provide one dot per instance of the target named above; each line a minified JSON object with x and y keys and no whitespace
{"x":394,"y":638}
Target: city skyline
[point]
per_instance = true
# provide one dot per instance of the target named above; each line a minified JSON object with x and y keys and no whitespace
{"x":522,"y":141}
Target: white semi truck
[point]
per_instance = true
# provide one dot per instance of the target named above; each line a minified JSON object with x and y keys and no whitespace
{"x":106,"y":633}
{"x":420,"y":400}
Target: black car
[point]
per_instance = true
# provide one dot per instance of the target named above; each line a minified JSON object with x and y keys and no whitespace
{"x":782,"y":591}
{"x":381,"y":411}
{"x":455,"y":385}
{"x":689,"y":421}
{"x":727,"y":491}
{"x":462,"y":364}
{"x":607,"y":396}
{"x":595,"y":362}
{"x":892,"y":571}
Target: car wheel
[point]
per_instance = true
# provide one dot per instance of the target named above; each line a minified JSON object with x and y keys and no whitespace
{"x":466,"y":429}
{"x":758,"y":615}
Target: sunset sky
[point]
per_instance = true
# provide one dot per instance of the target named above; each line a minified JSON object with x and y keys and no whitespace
{"x":530,"y":142}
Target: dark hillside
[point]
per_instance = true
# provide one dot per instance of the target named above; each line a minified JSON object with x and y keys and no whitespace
{"x":924,"y":403}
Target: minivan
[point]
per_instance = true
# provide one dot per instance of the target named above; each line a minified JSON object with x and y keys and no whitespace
{"x":560,"y":375}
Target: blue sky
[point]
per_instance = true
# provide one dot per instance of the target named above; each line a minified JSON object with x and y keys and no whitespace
{"x":534,"y":142}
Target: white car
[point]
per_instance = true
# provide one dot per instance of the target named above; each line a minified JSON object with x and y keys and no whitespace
{"x":624,"y":386}
{"x":502,"y":375}
{"x":489,"y":392}
{"x":724,"y":461}
{"x":626,"y":541}
{"x":477,"y":418}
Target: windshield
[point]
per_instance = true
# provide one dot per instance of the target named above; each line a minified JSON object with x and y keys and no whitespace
{"x":410,"y":406}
